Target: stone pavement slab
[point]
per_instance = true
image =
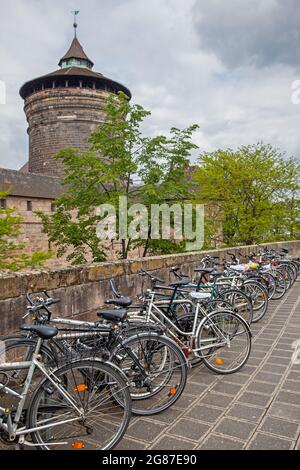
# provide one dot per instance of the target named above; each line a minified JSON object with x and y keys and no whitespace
{"x":256,"y":408}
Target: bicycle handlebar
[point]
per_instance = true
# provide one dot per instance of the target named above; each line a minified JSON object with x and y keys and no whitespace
{"x":40,"y":304}
{"x":177,"y":274}
{"x":113,"y":288}
{"x":153,"y":278}
{"x":209,"y":258}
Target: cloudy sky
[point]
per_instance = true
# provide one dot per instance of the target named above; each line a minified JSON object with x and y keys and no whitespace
{"x":226,"y":65}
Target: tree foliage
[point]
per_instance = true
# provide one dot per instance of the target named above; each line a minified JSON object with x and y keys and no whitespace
{"x":120,"y":161}
{"x":251,"y":194}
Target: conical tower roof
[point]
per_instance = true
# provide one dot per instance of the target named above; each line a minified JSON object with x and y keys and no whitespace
{"x":75,"y":52}
{"x":75,"y":70}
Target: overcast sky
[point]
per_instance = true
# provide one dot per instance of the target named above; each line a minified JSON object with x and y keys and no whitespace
{"x":227,"y":65}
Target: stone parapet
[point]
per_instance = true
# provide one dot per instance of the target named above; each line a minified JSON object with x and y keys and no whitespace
{"x":84,"y":289}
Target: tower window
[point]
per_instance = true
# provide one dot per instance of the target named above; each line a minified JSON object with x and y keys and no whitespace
{"x":2,"y":203}
{"x":29,"y":206}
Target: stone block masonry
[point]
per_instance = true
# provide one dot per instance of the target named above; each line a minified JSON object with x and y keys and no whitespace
{"x":84,"y":289}
{"x":64,"y":107}
{"x":31,"y":229}
{"x":58,"y":118}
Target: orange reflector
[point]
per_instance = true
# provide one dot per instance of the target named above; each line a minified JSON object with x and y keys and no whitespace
{"x":78,"y":445}
{"x":173,"y":391}
{"x":80,"y":388}
{"x":219,"y":361}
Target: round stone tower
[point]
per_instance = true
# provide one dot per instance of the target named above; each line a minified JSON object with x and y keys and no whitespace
{"x":63,"y":108}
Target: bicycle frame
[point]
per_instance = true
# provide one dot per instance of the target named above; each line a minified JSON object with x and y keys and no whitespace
{"x":191,"y":334}
{"x":93,"y":333}
{"x":11,"y":428}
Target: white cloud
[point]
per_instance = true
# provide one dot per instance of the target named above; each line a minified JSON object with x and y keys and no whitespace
{"x":252,"y":32}
{"x":157,"y":49}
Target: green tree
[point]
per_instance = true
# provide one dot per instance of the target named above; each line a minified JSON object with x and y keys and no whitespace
{"x":120,"y":161}
{"x":253,"y":192}
{"x":11,"y":256}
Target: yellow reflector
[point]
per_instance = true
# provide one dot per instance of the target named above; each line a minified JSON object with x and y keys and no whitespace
{"x":80,"y":388}
{"x":78,"y":445}
{"x":219,"y":361}
{"x":173,"y":391}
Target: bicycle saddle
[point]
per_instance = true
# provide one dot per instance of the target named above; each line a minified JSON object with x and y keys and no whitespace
{"x":237,"y":267}
{"x":44,"y":332}
{"x":217,"y":274}
{"x":117,"y":314}
{"x":204,"y":270}
{"x":200,"y":296}
{"x":182,"y":282}
{"x":121,"y":302}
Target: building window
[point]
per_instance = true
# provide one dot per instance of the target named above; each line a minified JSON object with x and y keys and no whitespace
{"x":2,"y":203}
{"x":53,"y":207}
{"x":29,"y":206}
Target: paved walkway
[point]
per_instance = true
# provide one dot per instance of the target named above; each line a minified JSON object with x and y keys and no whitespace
{"x":257,"y":408}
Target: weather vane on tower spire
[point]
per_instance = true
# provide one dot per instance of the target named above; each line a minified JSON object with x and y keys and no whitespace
{"x":75,"y":13}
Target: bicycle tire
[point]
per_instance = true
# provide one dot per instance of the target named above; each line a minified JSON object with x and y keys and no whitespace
{"x":151,"y":398}
{"x":209,"y":323}
{"x":106,"y":372}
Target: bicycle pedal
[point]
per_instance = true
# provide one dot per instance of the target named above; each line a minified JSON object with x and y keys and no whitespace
{"x":5,"y":440}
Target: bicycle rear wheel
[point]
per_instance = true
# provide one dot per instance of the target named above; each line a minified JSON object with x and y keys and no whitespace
{"x":259,"y":298}
{"x":240,"y":301}
{"x":156,"y":369}
{"x":268,"y":281}
{"x":280,"y":286}
{"x":287,"y":275}
{"x":97,"y":390}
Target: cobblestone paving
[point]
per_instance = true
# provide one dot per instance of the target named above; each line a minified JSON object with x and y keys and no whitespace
{"x":257,"y":408}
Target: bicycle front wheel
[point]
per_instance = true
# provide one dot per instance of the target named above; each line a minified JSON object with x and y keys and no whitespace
{"x":94,"y":420}
{"x":224,"y":342}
